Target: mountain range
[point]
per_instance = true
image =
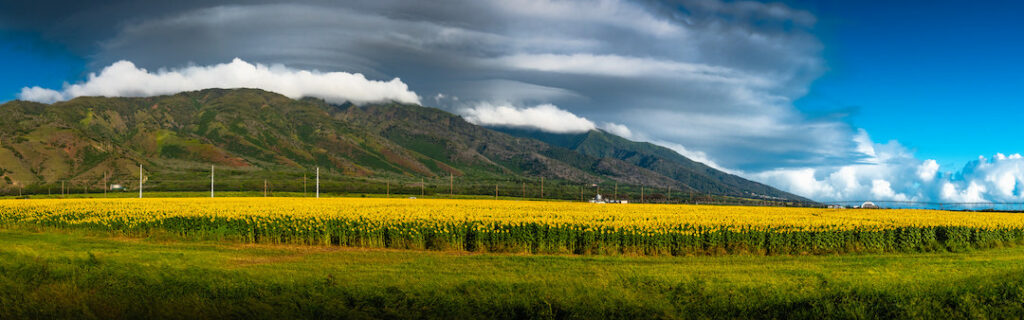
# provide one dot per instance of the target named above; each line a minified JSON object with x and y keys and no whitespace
{"x":249,"y":131}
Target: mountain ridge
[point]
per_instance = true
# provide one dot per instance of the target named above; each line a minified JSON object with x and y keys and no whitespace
{"x":92,"y":139}
{"x":657,"y":158}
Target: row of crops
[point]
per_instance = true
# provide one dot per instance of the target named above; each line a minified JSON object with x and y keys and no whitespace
{"x":526,"y":226}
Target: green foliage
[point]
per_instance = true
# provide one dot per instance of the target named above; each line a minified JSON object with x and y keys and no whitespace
{"x":376,"y":162}
{"x":206,"y":118}
{"x":54,"y":275}
{"x":92,"y":156}
{"x":173,"y":151}
{"x":424,"y":145}
{"x":306,"y":133}
{"x":87,"y":120}
{"x":539,"y":238}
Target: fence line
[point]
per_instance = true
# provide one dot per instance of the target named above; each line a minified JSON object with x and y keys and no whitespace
{"x":442,"y":186}
{"x":296,"y":183}
{"x":903,"y":204}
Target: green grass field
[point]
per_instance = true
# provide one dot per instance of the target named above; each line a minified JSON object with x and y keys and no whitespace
{"x":57,"y":274}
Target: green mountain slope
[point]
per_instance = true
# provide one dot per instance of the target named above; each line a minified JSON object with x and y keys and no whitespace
{"x":253,"y":134}
{"x":695,"y":175}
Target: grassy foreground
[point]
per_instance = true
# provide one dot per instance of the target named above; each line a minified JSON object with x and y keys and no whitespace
{"x":73,"y":275}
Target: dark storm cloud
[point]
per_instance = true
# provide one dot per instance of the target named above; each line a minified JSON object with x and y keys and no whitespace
{"x":714,"y":79}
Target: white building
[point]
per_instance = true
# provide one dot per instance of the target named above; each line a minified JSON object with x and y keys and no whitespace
{"x":600,"y":199}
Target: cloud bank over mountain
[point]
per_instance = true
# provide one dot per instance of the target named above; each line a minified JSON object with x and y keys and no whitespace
{"x":716,"y":77}
{"x":124,"y":79}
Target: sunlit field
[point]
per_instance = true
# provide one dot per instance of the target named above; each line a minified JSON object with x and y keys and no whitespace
{"x":525,"y":226}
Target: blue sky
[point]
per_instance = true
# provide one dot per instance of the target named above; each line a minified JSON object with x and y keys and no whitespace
{"x":28,"y":61}
{"x":834,"y":100}
{"x":943,"y":78}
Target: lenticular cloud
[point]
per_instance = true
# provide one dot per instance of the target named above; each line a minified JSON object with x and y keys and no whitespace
{"x":124,"y":79}
{"x":545,"y":117}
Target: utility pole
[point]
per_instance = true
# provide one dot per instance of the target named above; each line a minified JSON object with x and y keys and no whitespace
{"x":451,"y":185}
{"x":641,"y":193}
{"x":303,"y":183}
{"x":62,"y":188}
{"x":423,"y":188}
{"x":106,"y":184}
{"x":495,"y":191}
{"x":581,"y":193}
{"x":542,"y":187}
{"x":211,"y":180}
{"x":616,"y":190}
{"x":318,"y":182}
{"x":140,"y":181}
{"x":264,"y":188}
{"x":669,"y":195}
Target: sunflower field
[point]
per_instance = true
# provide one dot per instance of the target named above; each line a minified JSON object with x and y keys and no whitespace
{"x":526,"y":226}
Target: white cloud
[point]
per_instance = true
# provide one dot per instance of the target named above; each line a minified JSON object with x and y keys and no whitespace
{"x":124,"y":79}
{"x":881,"y":189}
{"x":625,"y":66}
{"x":891,"y":172}
{"x":801,"y":181}
{"x":974,"y":192}
{"x":864,"y":145}
{"x":694,"y":155}
{"x":618,"y":13}
{"x":618,"y":129}
{"x":544,"y":117}
{"x":513,"y":92}
{"x":927,"y":170}
{"x":38,"y":94}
